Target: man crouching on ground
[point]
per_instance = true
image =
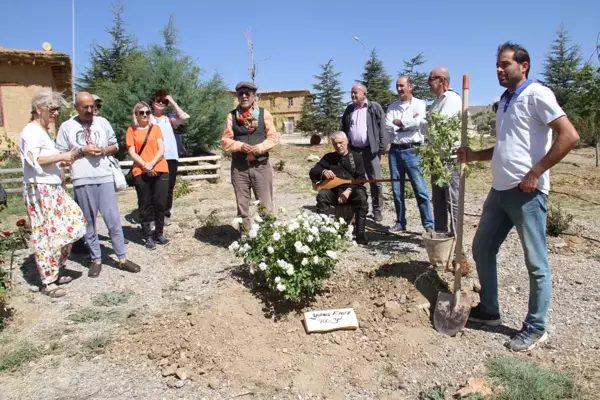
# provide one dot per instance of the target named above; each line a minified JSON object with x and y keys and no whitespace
{"x":343,"y":164}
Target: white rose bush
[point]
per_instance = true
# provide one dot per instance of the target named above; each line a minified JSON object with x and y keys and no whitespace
{"x":292,"y":260}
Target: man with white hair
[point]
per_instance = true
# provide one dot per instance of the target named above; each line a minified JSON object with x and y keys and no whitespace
{"x":344,"y":164}
{"x":404,"y":119}
{"x":363,"y":123}
{"x":93,"y":139}
{"x":445,"y":198}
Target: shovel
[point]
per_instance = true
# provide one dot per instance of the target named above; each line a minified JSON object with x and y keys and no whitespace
{"x":451,"y":314}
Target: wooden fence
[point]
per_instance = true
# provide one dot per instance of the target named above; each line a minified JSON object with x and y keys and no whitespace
{"x":207,"y":167}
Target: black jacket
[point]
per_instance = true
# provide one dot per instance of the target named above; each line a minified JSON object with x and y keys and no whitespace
{"x":375,"y":126}
{"x":341,"y":167}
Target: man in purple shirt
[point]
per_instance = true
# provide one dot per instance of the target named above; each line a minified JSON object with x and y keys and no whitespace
{"x":364,"y":124}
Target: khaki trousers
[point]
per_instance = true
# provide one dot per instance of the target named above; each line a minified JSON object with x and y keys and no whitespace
{"x":255,"y":176}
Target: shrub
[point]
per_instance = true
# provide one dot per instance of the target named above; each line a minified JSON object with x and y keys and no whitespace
{"x":292,"y":260}
{"x":182,"y":188}
{"x":557,"y":221}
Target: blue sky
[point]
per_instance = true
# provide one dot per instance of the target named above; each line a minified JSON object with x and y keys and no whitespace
{"x":295,"y":37}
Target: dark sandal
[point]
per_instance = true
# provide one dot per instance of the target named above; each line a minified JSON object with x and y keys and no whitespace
{"x":53,"y":293}
{"x":95,"y":270}
{"x":128,"y":266}
{"x":63,"y":280}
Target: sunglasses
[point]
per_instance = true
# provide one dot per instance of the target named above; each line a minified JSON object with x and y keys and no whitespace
{"x":98,"y":106}
{"x":247,"y":94}
{"x":54,"y":109}
{"x":142,"y":113}
{"x":433,"y":78}
{"x":163,"y":102}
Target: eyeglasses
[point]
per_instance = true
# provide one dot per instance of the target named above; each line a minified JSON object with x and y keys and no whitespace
{"x":98,"y":106}
{"x":163,"y":102}
{"x":142,"y":113}
{"x":247,"y":94}
{"x":433,"y":78}
{"x":54,"y":109}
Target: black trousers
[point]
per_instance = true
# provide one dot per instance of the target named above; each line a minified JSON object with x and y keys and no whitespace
{"x":357,"y":200}
{"x":152,"y":200}
{"x":173,"y":164}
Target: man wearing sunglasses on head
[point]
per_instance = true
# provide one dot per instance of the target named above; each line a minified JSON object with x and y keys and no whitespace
{"x":167,"y":123}
{"x":249,"y":135}
{"x":98,"y":104}
{"x":445,"y":198}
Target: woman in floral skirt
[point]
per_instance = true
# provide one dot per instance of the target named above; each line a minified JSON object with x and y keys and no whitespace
{"x":56,"y":220}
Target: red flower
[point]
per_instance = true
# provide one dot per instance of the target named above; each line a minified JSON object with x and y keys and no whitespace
{"x":70,"y":229}
{"x":6,"y":234}
{"x":21,"y":222}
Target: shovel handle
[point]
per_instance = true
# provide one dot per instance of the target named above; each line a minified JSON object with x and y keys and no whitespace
{"x":461,"y":193}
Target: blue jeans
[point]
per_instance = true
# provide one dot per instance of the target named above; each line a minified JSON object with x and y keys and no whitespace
{"x":527,"y":213}
{"x":404,"y":162}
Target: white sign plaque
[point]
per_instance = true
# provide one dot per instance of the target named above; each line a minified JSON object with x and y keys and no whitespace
{"x":330,"y":320}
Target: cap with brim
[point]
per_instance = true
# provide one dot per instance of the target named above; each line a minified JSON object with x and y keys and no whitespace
{"x":96,"y":97}
{"x":247,"y":85}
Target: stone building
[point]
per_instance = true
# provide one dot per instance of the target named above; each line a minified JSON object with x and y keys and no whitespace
{"x":284,"y":105}
{"x":22,"y":73}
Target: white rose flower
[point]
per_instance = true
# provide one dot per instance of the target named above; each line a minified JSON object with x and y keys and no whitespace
{"x":277,"y":279}
{"x":350,"y":229}
{"x":276,"y":236}
{"x":336,"y":225}
{"x":253,"y":233}
{"x":236,"y":222}
{"x":304,"y":261}
{"x":234,"y":246}
{"x":298,"y":244}
{"x":258,"y":218}
{"x":270,"y":250}
{"x":310,"y":238}
{"x":331,"y":254}
{"x":304,"y":250}
{"x":316,"y":259}
{"x":281,"y":287}
{"x":290,"y":270}
{"x":262,"y":266}
{"x":342,"y":221}
{"x":314,"y":230}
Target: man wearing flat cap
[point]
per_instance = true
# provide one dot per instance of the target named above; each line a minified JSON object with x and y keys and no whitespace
{"x":249,"y":134}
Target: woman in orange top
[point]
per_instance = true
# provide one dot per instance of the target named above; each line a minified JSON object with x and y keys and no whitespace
{"x":150,"y":171}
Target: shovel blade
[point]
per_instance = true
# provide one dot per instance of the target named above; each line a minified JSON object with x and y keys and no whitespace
{"x":448,"y":318}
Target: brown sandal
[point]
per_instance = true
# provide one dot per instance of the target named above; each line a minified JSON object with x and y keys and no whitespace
{"x":95,"y":269}
{"x":53,"y":293}
{"x":128,"y":266}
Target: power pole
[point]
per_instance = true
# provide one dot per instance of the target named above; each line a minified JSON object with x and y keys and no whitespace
{"x":597,"y":128}
{"x":252,"y":69}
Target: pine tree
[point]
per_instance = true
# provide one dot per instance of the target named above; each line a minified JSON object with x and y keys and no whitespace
{"x":165,"y":66}
{"x":108,"y":63}
{"x":329,"y":99}
{"x":561,"y":68}
{"x":308,"y":115}
{"x":419,"y":79}
{"x":377,"y":81}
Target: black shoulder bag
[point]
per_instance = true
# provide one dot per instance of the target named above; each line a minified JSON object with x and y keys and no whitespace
{"x":129,"y":178}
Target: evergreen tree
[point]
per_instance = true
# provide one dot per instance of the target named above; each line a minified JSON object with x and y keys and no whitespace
{"x":308,"y":115}
{"x":419,"y":78}
{"x":561,"y":67}
{"x":329,"y":99}
{"x":377,"y":81}
{"x":166,"y":67}
{"x":108,"y":63}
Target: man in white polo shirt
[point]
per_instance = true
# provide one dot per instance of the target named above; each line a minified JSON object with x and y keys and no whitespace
{"x":521,"y":159}
{"x":445,"y":198}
